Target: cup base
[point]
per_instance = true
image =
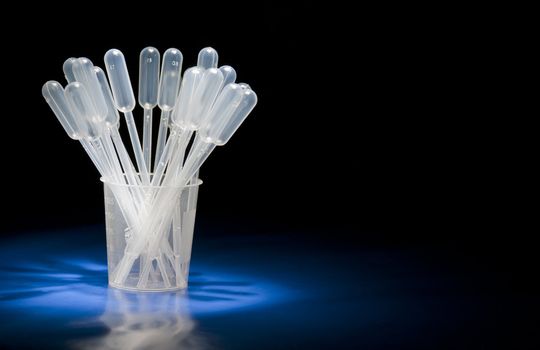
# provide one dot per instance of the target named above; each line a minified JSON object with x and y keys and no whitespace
{"x":149,"y":288}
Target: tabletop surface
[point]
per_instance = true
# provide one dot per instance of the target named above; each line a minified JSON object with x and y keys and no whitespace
{"x":256,"y":292}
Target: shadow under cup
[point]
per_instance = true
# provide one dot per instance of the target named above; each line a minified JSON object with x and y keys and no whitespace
{"x":149,"y":245}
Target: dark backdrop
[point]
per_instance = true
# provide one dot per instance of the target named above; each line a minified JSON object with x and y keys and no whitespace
{"x":373,"y":125}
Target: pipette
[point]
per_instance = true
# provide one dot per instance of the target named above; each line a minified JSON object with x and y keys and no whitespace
{"x":148,"y":95}
{"x":124,"y":101}
{"x":168,"y":92}
{"x":112,"y":121}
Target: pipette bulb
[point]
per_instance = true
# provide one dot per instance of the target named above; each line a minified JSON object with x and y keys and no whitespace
{"x":149,"y":62}
{"x":124,"y":99}
{"x":208,"y":58}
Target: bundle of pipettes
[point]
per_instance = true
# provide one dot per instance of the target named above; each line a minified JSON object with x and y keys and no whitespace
{"x":199,"y":110}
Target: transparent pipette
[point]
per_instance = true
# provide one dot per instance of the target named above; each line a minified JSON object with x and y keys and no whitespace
{"x":168,"y":92}
{"x":149,"y":61}
{"x":112,"y":122}
{"x":124,"y":101}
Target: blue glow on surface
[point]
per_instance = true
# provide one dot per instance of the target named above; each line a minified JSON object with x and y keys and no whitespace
{"x":73,"y":286}
{"x":63,"y":295}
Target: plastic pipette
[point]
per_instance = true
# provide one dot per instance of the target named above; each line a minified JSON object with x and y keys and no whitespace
{"x":168,"y":92}
{"x":148,"y":95}
{"x":112,"y":121}
{"x":124,"y":101}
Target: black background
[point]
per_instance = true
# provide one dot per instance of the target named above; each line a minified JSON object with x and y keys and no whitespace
{"x":374,"y":126}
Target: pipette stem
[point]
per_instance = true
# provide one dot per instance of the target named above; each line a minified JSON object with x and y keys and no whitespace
{"x":136,"y":143}
{"x":111,"y":154}
{"x":93,"y":156}
{"x":127,"y":165}
{"x":162,"y":135}
{"x":164,"y":159}
{"x":147,"y":137}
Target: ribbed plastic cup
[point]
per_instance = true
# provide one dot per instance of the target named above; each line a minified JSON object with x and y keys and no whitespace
{"x":170,"y":267}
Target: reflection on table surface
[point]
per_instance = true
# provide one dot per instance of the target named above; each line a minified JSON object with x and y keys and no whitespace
{"x":145,"y":321}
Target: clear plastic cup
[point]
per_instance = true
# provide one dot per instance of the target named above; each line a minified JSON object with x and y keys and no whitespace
{"x":170,"y":267}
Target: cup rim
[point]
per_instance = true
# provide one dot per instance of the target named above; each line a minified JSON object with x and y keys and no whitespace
{"x":106,"y":182}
